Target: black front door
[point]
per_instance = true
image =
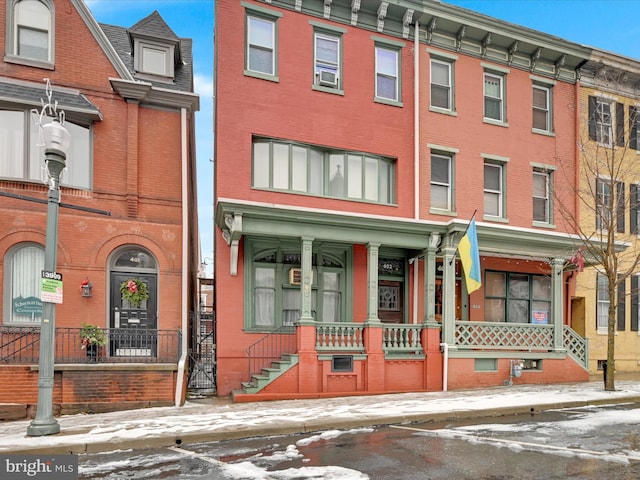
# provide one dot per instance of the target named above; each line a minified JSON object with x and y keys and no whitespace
{"x":133,"y":327}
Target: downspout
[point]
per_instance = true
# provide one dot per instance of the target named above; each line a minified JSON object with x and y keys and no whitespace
{"x":445,"y":365}
{"x":416,"y":121}
{"x":182,"y":362}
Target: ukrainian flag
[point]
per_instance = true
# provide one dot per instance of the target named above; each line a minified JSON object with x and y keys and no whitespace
{"x":470,"y":257}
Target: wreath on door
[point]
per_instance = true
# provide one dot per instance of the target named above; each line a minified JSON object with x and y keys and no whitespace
{"x":134,"y":291}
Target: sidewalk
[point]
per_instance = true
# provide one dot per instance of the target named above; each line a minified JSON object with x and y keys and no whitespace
{"x":219,"y":419}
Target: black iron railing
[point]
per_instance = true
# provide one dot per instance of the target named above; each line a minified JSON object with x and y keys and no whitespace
{"x":271,"y":348}
{"x":21,"y":345}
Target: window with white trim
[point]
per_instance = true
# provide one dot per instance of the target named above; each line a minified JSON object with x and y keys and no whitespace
{"x":441,"y":187}
{"x":154,"y":58}
{"x":23,"y":269}
{"x":327,"y":59}
{"x":542,"y":195}
{"x":21,"y":157}
{"x":441,"y":84}
{"x":602,"y":313}
{"x":607,"y":122}
{"x":494,"y":189}
{"x":542,"y":108}
{"x":300,"y":168}
{"x":494,"y":105}
{"x":30,"y":32}
{"x":387,"y":85}
{"x":261,"y":44}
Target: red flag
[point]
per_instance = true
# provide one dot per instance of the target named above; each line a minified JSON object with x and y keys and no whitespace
{"x":578,"y":260}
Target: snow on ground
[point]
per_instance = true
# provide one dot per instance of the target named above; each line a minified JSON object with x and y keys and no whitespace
{"x":315,"y":415}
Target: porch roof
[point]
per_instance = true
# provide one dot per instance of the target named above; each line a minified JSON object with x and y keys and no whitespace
{"x":237,"y":217}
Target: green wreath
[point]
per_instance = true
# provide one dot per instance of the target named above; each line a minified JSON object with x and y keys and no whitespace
{"x":134,"y":291}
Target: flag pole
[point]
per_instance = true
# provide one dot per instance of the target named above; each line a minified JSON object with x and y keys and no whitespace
{"x":465,"y":231}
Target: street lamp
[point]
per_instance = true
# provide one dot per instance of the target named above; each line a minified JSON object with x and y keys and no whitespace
{"x":56,"y":140}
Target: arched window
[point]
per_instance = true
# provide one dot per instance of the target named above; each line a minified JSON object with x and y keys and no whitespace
{"x":23,"y":268}
{"x":30,"y":28}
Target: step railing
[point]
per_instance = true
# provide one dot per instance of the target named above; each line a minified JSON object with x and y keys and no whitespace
{"x":577,"y":346}
{"x":270,"y":348}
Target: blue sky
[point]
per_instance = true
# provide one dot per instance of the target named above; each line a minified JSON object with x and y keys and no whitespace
{"x":606,"y":24}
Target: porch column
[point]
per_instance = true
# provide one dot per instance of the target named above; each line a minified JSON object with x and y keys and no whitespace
{"x":430,"y":280}
{"x":372,"y":283}
{"x":305,"y":285}
{"x":557,"y":280}
{"x":449,"y":296}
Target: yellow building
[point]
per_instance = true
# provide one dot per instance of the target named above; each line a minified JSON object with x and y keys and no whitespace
{"x":608,"y":149}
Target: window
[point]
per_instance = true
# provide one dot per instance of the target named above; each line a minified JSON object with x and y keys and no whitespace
{"x":23,"y":268}
{"x":634,"y":128}
{"x":493,"y":189}
{"x":634,"y":208}
{"x":327,"y":58}
{"x":635,"y":312}
{"x":276,"y":298}
{"x":494,"y":97}
{"x":610,"y":198}
{"x":22,"y":159}
{"x":307,"y":169}
{"x":541,"y":196}
{"x":602,"y":313}
{"x":154,"y":58}
{"x":517,"y":298}
{"x":441,"y":84}
{"x":387,"y":74}
{"x":606,"y":119}
{"x":542,"y":108}
{"x":30,"y":30}
{"x":261,"y":31}
{"x":441,"y":188}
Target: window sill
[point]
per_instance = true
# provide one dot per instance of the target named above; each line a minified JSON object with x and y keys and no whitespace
{"x":443,"y":111}
{"x":261,"y":76}
{"x":491,"y":218}
{"x":497,"y":123}
{"x":387,"y":101}
{"x":438,"y":211}
{"x":30,"y":62}
{"x":334,"y":91}
{"x":543,"y":225}
{"x":543,"y":132}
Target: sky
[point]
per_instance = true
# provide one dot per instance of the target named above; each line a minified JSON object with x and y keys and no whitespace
{"x":604,"y":24}
{"x":321,"y":418}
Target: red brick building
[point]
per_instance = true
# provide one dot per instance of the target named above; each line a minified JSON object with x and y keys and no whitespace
{"x":128,"y":207}
{"x":354,"y":142}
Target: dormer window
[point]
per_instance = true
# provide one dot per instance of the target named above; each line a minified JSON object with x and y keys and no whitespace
{"x":30,"y":30}
{"x":154,"y":59}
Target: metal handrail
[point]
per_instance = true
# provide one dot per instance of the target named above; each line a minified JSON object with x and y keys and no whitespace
{"x":270,"y":348}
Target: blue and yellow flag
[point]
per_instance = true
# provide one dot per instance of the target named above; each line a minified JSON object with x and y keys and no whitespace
{"x":470,"y":257}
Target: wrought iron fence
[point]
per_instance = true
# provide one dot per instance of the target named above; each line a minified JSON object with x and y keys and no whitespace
{"x":21,"y":345}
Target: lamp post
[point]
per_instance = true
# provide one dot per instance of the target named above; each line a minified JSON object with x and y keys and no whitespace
{"x":56,"y":139}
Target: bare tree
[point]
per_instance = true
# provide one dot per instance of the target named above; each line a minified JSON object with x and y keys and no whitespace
{"x":606,"y":188}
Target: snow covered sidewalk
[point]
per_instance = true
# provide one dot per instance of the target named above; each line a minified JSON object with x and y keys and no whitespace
{"x":219,"y":419}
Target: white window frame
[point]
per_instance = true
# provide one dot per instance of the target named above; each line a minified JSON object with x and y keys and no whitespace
{"x":27,"y":286}
{"x":500,"y":99}
{"x":449,"y":87}
{"x":604,"y":128}
{"x":544,"y":109}
{"x":323,"y":65}
{"x":603,"y":194}
{"x":395,"y":76}
{"x":167,"y":51}
{"x":546,"y":197}
{"x":602,"y":303}
{"x":499,"y":193}
{"x":13,"y":27}
{"x":440,"y":184}
{"x":261,"y":14}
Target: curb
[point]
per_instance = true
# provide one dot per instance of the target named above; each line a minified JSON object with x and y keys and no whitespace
{"x":168,"y":440}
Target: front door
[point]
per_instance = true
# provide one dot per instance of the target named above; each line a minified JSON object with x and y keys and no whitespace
{"x":133,"y":327}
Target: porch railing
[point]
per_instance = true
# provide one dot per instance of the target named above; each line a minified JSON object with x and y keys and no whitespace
{"x":577,"y":346}
{"x":271,"y":348}
{"x":340,"y":337}
{"x":503,"y":336}
{"x":398,"y":339}
{"x":21,"y":346}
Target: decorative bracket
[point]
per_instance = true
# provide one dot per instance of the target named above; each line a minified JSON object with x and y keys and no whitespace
{"x":459,"y":36}
{"x":486,"y":41}
{"x":382,"y":13}
{"x":232,"y":237}
{"x":535,"y":57}
{"x":355,"y":8}
{"x":431,"y":28}
{"x":406,"y":22}
{"x":512,"y":51}
{"x":327,"y":8}
{"x":559,"y":64}
{"x":298,"y":5}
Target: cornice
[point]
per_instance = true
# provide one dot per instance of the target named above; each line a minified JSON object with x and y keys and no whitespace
{"x":146,"y":93}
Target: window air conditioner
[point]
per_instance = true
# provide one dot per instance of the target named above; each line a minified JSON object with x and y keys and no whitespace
{"x":295,"y":276}
{"x":328,"y":79}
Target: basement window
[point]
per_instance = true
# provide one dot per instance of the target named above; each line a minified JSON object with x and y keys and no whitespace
{"x":342,"y":363}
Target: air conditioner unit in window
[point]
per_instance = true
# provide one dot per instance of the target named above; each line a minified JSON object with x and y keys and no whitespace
{"x":328,"y":79}
{"x":295,"y":276}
